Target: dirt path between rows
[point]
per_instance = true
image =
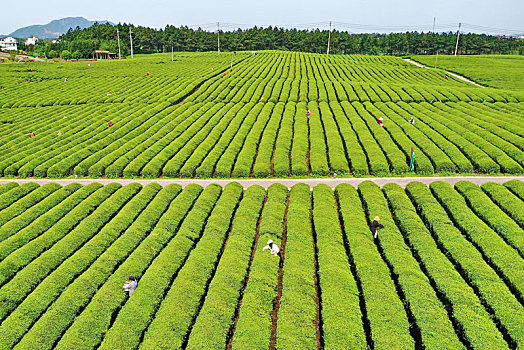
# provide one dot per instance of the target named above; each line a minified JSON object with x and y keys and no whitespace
{"x":332,"y":182}
{"x":450,"y":73}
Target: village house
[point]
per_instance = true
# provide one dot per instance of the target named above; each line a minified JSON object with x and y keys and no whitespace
{"x":31,"y":41}
{"x":8,"y":43}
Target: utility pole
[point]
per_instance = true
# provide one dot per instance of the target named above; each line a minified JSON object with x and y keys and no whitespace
{"x":131,"y":40}
{"x":435,"y":43}
{"x":118,"y":38}
{"x":172,"y":53}
{"x":218,"y":37}
{"x":458,"y":36}
{"x":329,"y":38}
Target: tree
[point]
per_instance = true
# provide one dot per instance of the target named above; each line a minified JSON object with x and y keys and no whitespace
{"x":150,"y":40}
{"x":66,"y":55}
{"x":76,"y":55}
{"x":52,"y":54}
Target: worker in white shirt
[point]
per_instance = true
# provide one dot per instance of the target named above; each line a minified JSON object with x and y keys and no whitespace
{"x":275,"y":251}
{"x":130,"y":285}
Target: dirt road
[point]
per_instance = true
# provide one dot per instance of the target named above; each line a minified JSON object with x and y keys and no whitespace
{"x":450,"y":73}
{"x":332,"y":182}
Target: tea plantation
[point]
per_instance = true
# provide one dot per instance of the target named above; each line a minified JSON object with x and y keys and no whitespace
{"x":446,"y":272}
{"x":246,"y":115}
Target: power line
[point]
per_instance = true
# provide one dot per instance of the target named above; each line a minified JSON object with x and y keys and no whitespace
{"x":325,"y":25}
{"x":494,"y":29}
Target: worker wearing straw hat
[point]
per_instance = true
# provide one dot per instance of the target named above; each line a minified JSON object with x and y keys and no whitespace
{"x":375,"y":226}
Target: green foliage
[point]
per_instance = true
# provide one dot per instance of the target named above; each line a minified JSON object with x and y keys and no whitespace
{"x":492,"y":70}
{"x":216,"y":317}
{"x":297,"y":313}
{"x":137,"y":314}
{"x":507,"y":202}
{"x":198,"y":117}
{"x":471,"y":263}
{"x":421,"y":302}
{"x":66,"y":55}
{"x":98,"y":314}
{"x":253,"y":329}
{"x":492,"y":215}
{"x":76,"y":55}
{"x":89,"y":261}
{"x":387,"y":319}
{"x":186,"y":292}
{"x":443,"y":273}
{"x":503,"y":258}
{"x":341,"y":321}
{"x":52,"y":54}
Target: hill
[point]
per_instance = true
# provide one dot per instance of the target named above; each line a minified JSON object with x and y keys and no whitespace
{"x":54,"y":28}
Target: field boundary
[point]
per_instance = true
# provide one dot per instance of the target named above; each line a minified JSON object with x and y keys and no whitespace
{"x":312,"y":182}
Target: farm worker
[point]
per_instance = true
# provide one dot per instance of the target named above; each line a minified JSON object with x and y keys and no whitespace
{"x":375,"y":226}
{"x":65,"y":80}
{"x":31,"y":134}
{"x":147,"y":73}
{"x":446,"y":77}
{"x":89,"y":64}
{"x":275,"y":251}
{"x":107,"y":93}
{"x":224,"y":74}
{"x":288,"y":66}
{"x":380,"y":121}
{"x":59,"y":133}
{"x":110,"y":124}
{"x":412,"y":121}
{"x":130,"y":285}
{"x":308,"y":113}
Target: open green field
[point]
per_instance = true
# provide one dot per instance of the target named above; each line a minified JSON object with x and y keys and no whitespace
{"x":500,"y":71}
{"x":446,"y":272}
{"x":197,"y":117}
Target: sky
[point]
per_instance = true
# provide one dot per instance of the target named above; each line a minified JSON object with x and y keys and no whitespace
{"x":481,"y":16}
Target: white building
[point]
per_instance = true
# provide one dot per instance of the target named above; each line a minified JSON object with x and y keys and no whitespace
{"x":31,"y":41}
{"x":8,"y":43}
{"x":54,"y":41}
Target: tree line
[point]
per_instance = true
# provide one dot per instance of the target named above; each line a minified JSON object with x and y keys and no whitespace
{"x":151,"y":40}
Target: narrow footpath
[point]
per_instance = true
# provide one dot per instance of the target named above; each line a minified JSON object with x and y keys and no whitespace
{"x":450,"y":73}
{"x":312,"y":182}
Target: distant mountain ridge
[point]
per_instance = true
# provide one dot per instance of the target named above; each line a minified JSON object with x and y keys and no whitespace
{"x":54,"y":28}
